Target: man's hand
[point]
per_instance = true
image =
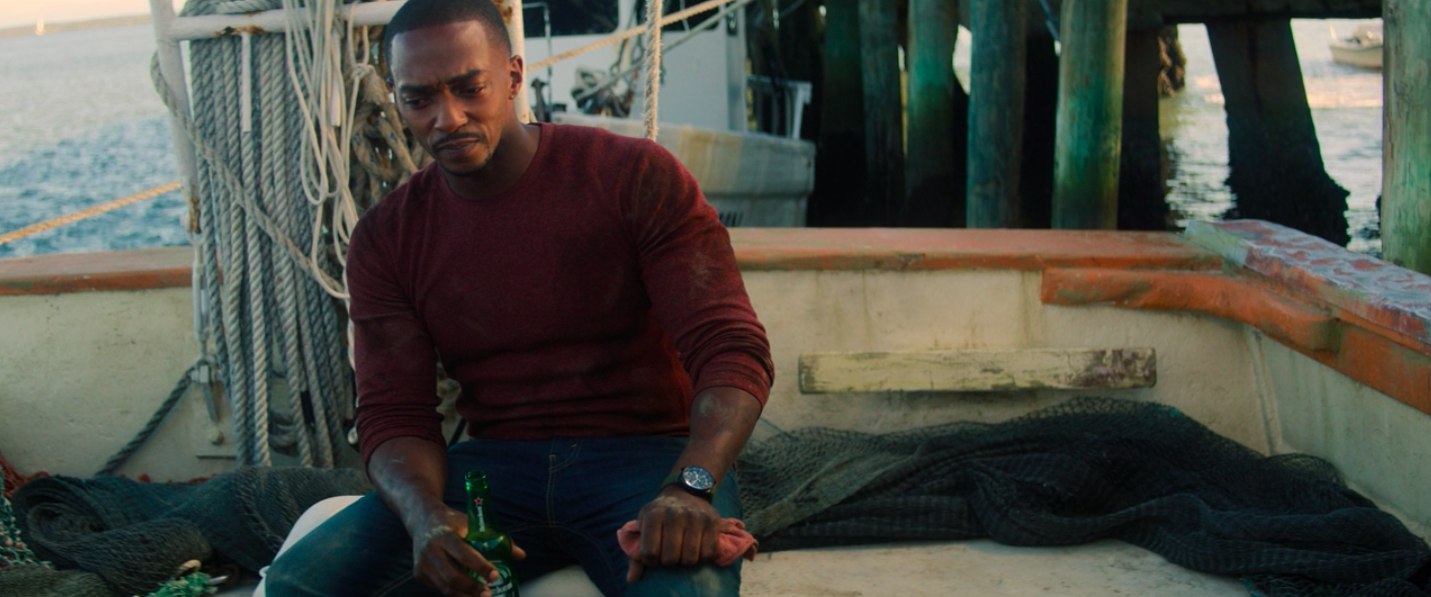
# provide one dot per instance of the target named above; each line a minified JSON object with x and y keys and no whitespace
{"x":677,"y":529}
{"x":441,"y":559}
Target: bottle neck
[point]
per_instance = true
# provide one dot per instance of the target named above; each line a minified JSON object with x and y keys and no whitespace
{"x":479,"y":516}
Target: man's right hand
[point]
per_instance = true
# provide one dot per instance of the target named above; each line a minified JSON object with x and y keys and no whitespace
{"x":409,"y":474}
{"x":441,"y":559}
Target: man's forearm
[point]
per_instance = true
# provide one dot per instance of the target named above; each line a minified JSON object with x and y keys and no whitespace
{"x":722,"y":420}
{"x":409,"y":474}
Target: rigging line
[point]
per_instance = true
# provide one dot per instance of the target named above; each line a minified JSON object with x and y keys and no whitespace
{"x":88,"y":213}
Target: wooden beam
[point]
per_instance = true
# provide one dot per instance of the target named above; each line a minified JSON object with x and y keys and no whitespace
{"x":1277,"y":173}
{"x":978,"y":370}
{"x":840,"y":160}
{"x":1090,"y":114}
{"x":884,"y":114}
{"x":931,"y":200}
{"x":1142,"y":202}
{"x":1406,"y":165}
{"x":996,"y":113}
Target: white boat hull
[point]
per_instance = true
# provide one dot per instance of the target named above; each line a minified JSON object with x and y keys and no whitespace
{"x":1364,"y":57}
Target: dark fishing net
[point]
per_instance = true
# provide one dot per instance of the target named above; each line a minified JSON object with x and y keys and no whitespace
{"x":1082,"y":471}
{"x":135,"y":536}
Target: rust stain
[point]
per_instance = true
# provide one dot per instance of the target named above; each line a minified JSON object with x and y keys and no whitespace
{"x":240,"y":30}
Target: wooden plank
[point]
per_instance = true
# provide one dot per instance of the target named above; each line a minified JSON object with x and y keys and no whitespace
{"x":978,"y":370}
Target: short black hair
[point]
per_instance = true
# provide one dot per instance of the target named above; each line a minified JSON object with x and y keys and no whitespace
{"x":421,"y":14}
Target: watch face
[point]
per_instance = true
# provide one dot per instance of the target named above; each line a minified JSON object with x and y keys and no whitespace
{"x":697,"y":478}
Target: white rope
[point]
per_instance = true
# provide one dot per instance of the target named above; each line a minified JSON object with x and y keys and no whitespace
{"x":290,"y":133}
{"x":653,"y":64}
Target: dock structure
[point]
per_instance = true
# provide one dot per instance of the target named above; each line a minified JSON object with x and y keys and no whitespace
{"x":1088,"y":139}
{"x":884,"y":116}
{"x":934,"y":145}
{"x":1085,"y":155}
{"x":1272,"y":142}
{"x":996,"y":113}
{"x":1406,"y":154}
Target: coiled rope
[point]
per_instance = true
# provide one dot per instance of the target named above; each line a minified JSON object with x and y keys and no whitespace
{"x":294,"y":136}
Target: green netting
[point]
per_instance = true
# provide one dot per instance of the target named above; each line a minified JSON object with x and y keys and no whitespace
{"x":114,"y":537}
{"x":1086,"y":470}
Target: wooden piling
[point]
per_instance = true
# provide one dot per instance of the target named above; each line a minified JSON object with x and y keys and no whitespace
{"x":1277,"y":173}
{"x":840,"y":161}
{"x":996,"y":112}
{"x":1406,"y":153}
{"x":884,"y":114}
{"x":1142,"y":204}
{"x":931,"y":199}
{"x":1090,"y":114}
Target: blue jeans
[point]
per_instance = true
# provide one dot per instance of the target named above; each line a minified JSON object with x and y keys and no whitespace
{"x":561,"y":500}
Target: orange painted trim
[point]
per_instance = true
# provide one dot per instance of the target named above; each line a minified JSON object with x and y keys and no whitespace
{"x":1362,"y":352}
{"x":1228,"y":297}
{"x":756,"y":249}
{"x":773,"y":249}
{"x":138,"y":269}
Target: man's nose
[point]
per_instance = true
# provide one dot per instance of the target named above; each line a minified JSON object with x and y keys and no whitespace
{"x":450,"y":116}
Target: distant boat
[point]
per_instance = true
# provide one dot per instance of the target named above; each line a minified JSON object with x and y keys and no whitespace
{"x":1362,"y":49}
{"x":40,"y":26}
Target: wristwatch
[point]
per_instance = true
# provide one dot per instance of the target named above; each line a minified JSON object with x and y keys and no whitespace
{"x":694,"y":480}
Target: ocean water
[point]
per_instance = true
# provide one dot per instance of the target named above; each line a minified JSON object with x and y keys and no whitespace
{"x":80,"y":124}
{"x":1346,"y":109}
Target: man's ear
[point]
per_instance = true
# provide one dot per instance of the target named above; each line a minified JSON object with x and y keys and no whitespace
{"x":518,"y":70}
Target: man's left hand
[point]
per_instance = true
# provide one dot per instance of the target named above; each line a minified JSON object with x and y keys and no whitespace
{"x":677,"y":529}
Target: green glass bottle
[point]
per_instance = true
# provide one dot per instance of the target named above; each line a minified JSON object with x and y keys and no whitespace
{"x":486,"y":538}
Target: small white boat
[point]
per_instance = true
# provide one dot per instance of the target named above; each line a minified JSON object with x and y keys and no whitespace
{"x":1362,"y":49}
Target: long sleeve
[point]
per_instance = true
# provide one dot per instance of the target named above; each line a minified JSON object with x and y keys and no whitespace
{"x":690,"y":273}
{"x":395,"y":360}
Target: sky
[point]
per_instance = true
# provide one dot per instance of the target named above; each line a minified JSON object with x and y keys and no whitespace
{"x":25,"y":12}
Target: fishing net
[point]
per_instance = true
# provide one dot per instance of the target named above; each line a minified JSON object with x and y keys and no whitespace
{"x":1086,"y":470}
{"x":131,"y":538}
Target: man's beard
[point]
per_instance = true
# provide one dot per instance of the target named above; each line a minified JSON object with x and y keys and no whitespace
{"x":473,"y":170}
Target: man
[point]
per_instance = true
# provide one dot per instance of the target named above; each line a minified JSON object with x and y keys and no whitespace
{"x":586,"y":297}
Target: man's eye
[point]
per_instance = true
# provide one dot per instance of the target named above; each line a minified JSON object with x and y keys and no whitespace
{"x":413,"y":102}
{"x":471,"y":90}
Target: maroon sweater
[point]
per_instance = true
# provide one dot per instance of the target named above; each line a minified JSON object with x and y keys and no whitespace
{"x":592,"y":299}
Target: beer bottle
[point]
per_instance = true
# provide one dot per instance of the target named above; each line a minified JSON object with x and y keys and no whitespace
{"x":486,"y":538}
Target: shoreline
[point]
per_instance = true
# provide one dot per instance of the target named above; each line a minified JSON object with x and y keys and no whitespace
{"x":29,"y":30}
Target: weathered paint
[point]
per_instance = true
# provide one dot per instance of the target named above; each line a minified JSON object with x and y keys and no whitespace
{"x":996,"y":113}
{"x":1406,"y":161}
{"x":1088,"y":139}
{"x":978,"y":370}
{"x":1355,"y":287}
{"x":1222,"y":295}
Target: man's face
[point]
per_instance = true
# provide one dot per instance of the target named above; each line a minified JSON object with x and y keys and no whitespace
{"x":454,"y":88}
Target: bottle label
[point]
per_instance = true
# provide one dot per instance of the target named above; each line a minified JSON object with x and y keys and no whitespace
{"x":505,"y":585}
